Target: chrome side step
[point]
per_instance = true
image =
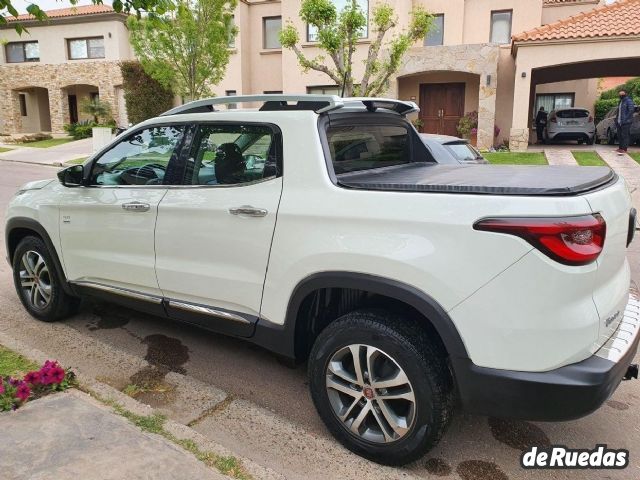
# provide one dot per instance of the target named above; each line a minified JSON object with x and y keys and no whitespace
{"x":119,"y":291}
{"x":200,"y":309}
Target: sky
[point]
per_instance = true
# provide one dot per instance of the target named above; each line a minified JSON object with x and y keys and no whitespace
{"x":21,"y":5}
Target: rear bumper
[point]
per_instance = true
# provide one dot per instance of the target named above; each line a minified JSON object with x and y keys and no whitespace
{"x":565,"y":393}
{"x":570,"y":135}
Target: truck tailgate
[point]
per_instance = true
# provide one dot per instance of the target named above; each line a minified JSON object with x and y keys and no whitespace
{"x":611,"y":289}
{"x":481,"y":179}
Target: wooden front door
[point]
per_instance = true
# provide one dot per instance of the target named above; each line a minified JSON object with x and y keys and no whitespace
{"x":441,"y":106}
{"x":73,"y":109}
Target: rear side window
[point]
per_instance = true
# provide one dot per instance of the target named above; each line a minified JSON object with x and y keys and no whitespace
{"x":462,"y":151}
{"x":572,"y":114}
{"x":363,"y":147}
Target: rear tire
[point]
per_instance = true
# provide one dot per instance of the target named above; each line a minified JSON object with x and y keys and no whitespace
{"x":591,"y":140}
{"x":38,"y":284}
{"x":394,"y":358}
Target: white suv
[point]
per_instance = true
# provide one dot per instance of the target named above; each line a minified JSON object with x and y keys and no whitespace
{"x":322,"y":229}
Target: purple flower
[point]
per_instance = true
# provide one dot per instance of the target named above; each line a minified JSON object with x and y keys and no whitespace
{"x":1,"y":387}
{"x":13,"y":381}
{"x":474,"y":131}
{"x":32,"y":378}
{"x":46,"y":375}
{"x":23,"y":391}
{"x":57,"y":375}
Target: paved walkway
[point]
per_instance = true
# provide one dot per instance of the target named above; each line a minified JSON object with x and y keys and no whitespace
{"x":70,"y":435}
{"x":557,"y":156}
{"x":49,"y":156}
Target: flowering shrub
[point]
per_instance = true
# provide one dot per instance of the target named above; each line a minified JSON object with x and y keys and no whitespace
{"x":38,"y":383}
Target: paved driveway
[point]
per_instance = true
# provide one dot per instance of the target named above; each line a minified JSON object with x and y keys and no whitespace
{"x":264,"y":411}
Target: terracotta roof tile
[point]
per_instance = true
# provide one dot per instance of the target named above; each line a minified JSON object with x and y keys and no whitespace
{"x":618,"y":19}
{"x":559,"y":2}
{"x":66,"y":12}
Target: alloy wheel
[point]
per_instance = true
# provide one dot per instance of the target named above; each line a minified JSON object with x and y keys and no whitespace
{"x":35,"y":280}
{"x":370,"y":393}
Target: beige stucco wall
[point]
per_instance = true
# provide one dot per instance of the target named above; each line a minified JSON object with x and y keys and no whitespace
{"x":554,"y":12}
{"x":453,"y":21}
{"x":527,"y":14}
{"x":52,"y":40}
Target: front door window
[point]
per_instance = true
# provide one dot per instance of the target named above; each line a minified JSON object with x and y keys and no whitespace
{"x":143,"y":158}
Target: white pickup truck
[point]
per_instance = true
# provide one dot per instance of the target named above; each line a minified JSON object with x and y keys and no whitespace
{"x":324,"y":230}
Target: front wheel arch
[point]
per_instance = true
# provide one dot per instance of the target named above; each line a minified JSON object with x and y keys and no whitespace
{"x":18,"y":228}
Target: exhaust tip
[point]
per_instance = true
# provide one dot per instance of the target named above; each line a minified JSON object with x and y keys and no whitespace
{"x":632,"y":372}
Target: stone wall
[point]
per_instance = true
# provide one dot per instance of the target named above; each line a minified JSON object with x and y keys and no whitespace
{"x":478,"y":59}
{"x":55,"y":78}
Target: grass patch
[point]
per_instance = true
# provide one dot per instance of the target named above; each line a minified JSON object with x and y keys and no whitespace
{"x":588,"y":159}
{"x":2,"y":149}
{"x":230,"y":465}
{"x":51,"y":142}
{"x":76,"y":161}
{"x":516,"y":158}
{"x":12,"y":364}
{"x":635,"y":156}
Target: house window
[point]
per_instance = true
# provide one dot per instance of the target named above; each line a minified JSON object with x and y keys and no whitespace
{"x":554,"y":101}
{"x":231,"y":93}
{"x":501,"y":26}
{"x":436,"y":33}
{"x":231,"y":42}
{"x":80,"y":48}
{"x":23,"y":104}
{"x":324,"y":90}
{"x":19,"y":52}
{"x":312,"y":32}
{"x":271,"y":27}
{"x":272,"y":92}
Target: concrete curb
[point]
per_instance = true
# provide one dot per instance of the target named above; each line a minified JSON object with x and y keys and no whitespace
{"x":107,"y":392}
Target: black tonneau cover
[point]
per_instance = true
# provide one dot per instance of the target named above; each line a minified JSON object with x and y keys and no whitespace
{"x":480,"y":179}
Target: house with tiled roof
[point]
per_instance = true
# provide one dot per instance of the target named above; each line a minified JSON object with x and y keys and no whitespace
{"x":501,"y":58}
{"x":47,"y":72}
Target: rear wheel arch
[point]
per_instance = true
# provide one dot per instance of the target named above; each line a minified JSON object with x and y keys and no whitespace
{"x":381,"y":292}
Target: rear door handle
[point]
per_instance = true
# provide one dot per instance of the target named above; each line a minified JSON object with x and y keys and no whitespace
{"x":248,"y":211}
{"x":136,"y":207}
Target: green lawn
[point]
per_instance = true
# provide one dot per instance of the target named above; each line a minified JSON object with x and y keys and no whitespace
{"x":76,"y":161}
{"x":12,"y":364}
{"x":2,"y":149}
{"x":52,"y":142}
{"x":588,"y":159}
{"x":516,"y":158}
{"x":635,"y":156}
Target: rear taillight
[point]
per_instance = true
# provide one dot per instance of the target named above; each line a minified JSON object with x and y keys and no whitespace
{"x":568,"y":240}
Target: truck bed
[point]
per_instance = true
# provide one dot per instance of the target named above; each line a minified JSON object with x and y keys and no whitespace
{"x":481,"y":179}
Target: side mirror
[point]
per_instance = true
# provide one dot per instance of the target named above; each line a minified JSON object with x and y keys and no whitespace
{"x":72,"y":176}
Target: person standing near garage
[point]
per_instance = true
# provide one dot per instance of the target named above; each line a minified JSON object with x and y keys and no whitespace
{"x":623,"y":121}
{"x":541,"y":122}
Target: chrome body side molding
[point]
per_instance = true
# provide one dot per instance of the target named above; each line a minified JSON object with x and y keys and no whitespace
{"x":119,"y":291}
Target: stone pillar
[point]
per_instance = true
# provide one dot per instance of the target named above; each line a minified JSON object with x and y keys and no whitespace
{"x":487,"y":110}
{"x":519,"y":134}
{"x":10,"y":103}
{"x":58,"y":109}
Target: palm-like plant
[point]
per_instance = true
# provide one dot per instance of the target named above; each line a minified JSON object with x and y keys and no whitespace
{"x":97,"y":109}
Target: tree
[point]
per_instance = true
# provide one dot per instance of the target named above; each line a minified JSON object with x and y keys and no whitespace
{"x":143,"y":96}
{"x":97,"y":109}
{"x":338,"y":34}
{"x":7,"y":9}
{"x":187,"y":49}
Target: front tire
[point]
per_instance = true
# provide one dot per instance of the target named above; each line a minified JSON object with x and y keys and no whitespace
{"x":37,"y":282}
{"x":381,"y":386}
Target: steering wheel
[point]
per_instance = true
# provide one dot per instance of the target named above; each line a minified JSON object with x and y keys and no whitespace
{"x":145,"y":175}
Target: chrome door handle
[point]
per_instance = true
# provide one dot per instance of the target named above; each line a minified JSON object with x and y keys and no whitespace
{"x":248,"y":211}
{"x":136,"y":207}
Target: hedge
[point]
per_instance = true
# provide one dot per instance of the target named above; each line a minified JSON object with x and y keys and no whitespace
{"x":144,"y":97}
{"x":609,"y":98}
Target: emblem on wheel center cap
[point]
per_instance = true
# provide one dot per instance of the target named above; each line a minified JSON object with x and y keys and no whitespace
{"x":368,"y":392}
